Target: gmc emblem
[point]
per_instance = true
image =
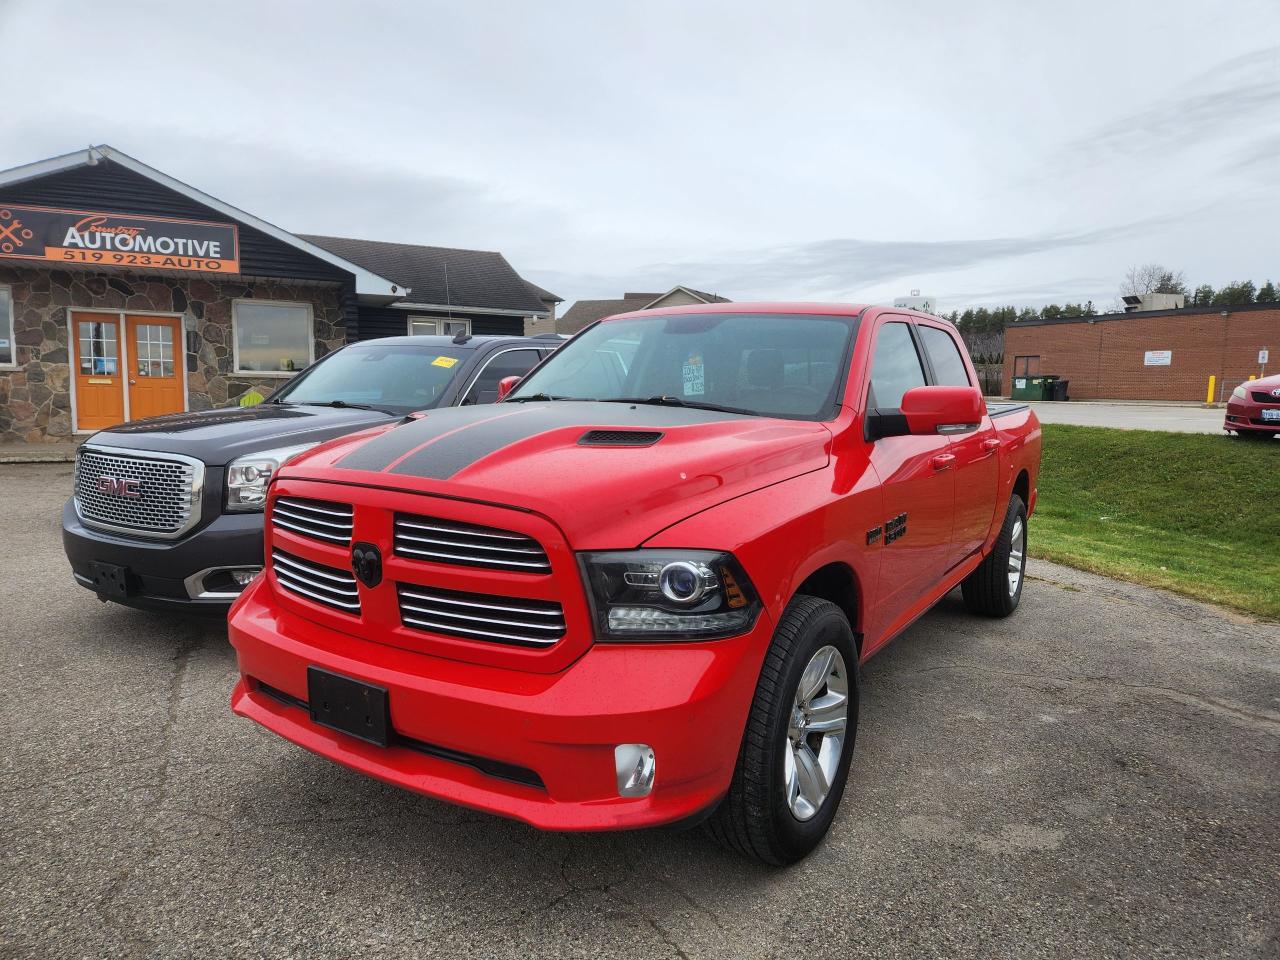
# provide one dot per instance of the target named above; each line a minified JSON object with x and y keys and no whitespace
{"x":120,"y":487}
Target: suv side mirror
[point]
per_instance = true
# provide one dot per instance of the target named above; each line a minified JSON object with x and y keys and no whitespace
{"x":943,"y":409}
{"x":929,"y":411}
{"x":505,"y":386}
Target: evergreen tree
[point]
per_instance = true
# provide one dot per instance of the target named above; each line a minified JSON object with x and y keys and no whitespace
{"x":1267,"y":293}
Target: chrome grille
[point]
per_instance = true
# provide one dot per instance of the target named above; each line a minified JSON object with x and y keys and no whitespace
{"x":319,"y":519}
{"x":331,"y":586}
{"x":168,"y":488}
{"x":479,"y":616}
{"x":446,"y":541}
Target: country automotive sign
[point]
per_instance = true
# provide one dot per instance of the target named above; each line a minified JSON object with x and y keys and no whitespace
{"x":117,"y":240}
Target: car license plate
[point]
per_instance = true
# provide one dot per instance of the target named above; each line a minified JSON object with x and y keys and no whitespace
{"x":109,"y":579}
{"x":350,"y":706}
{"x":1271,"y":414}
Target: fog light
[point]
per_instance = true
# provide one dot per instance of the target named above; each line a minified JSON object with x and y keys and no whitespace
{"x":635,"y":765}
{"x":245,"y":577}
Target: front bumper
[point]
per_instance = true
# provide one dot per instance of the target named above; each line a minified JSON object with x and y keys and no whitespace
{"x":159,"y":569}
{"x":1246,"y":416}
{"x":688,"y":701}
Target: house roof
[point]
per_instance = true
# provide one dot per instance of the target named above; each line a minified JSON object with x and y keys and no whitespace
{"x":542,"y":294}
{"x":586,"y":312}
{"x":441,"y":276}
{"x":369,"y":282}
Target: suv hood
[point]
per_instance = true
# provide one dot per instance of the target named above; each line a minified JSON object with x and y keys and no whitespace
{"x":219,"y":436}
{"x":541,"y":457}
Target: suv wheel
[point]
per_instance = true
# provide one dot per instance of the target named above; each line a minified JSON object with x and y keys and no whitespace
{"x":798,"y":744}
{"x":995,"y":587}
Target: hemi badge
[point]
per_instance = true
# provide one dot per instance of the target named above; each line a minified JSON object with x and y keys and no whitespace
{"x":873,"y":535}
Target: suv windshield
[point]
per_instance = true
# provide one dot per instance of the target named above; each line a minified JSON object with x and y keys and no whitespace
{"x":396,"y":377}
{"x":774,"y":365}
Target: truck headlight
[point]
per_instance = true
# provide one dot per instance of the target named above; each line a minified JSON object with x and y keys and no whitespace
{"x":644,"y":595}
{"x":1239,"y":393}
{"x":248,"y":476}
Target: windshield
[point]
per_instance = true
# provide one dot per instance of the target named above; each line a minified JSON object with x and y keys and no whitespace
{"x":396,"y":377}
{"x":774,"y":365}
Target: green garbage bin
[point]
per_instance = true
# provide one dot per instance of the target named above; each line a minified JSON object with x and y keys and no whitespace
{"x":1033,"y":388}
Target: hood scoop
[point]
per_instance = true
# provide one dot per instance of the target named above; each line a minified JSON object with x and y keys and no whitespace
{"x":619,"y":438}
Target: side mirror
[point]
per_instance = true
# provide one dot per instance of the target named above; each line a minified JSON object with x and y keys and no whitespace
{"x":505,"y":386}
{"x":931,"y":410}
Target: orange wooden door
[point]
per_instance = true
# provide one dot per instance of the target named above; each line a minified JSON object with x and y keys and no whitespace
{"x":99,"y":376}
{"x":155,"y":370}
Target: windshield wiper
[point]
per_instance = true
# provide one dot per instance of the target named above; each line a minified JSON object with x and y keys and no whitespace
{"x":668,"y":401}
{"x":540,"y":396}
{"x":339,"y":404}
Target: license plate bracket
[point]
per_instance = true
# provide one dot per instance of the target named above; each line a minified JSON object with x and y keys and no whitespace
{"x":349,"y":706}
{"x":110,"y":579}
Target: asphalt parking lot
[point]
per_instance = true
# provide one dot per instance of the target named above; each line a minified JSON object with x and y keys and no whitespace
{"x":1098,"y":776}
{"x":1171,"y":417}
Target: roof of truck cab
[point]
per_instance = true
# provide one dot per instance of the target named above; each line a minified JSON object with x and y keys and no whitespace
{"x":766,"y":306}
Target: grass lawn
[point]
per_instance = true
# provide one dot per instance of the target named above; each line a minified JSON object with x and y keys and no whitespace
{"x":1193,"y":513}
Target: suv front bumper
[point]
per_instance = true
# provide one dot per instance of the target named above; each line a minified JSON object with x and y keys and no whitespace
{"x":160,"y":572}
{"x":688,"y":701}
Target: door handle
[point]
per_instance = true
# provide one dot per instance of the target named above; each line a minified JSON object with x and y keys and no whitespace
{"x":943,"y":461}
{"x":990,"y":446}
{"x":132,"y":382}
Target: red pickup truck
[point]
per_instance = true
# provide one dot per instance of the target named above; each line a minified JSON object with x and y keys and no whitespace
{"x":638,"y":590}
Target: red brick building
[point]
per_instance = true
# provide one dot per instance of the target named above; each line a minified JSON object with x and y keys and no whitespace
{"x":1149,"y":355}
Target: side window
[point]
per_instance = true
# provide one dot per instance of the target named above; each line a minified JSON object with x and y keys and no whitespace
{"x":895,"y":366}
{"x":508,"y":363}
{"x":944,"y":355}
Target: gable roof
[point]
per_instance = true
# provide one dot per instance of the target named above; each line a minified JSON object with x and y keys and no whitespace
{"x":586,"y":312}
{"x":441,"y":276}
{"x":368,"y":282}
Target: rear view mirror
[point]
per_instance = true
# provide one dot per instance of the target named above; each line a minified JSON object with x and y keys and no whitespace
{"x":929,"y":411}
{"x":943,"y":409}
{"x":505,"y":386}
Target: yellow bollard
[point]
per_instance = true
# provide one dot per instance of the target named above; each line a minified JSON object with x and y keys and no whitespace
{"x":1209,"y":396}
{"x":1252,"y":377}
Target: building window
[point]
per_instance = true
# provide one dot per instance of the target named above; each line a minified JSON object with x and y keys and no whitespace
{"x":8,"y":352}
{"x":428,"y":326}
{"x":272,"y":338}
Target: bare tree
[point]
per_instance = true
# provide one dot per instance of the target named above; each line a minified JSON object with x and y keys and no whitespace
{"x":1152,"y":278}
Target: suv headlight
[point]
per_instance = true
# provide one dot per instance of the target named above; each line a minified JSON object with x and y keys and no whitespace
{"x":1239,"y":393}
{"x":641,"y":595}
{"x":248,"y":476}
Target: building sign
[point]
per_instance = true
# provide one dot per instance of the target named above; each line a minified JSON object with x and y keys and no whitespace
{"x":117,"y":240}
{"x":1157,"y":358}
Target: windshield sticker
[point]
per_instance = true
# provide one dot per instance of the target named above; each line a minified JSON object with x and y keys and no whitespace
{"x":445,"y":362}
{"x":695,"y":379}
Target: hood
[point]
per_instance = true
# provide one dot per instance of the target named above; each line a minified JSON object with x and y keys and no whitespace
{"x":219,"y":436}
{"x":581,"y":465}
{"x":1263,"y":384}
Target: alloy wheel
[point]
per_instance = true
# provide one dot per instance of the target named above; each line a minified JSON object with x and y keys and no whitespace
{"x":816,"y":732}
{"x":1017,"y":551}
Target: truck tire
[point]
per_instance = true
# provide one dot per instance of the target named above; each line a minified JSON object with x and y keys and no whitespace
{"x":777,"y":810}
{"x":995,"y":587}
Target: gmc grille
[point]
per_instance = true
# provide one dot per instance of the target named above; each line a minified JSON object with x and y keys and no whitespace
{"x":446,"y":541}
{"x":319,"y":519}
{"x":479,"y":616}
{"x":161,"y":501}
{"x":331,"y":586}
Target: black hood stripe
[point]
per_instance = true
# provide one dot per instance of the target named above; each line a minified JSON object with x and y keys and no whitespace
{"x":446,"y":442}
{"x":380,"y":452}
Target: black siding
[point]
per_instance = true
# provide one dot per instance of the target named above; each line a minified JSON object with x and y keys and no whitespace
{"x":110,"y":188}
{"x":393,"y":322}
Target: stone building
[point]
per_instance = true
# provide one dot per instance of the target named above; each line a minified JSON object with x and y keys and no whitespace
{"x":125,"y":293}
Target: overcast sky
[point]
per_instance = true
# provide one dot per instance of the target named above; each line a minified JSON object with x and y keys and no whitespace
{"x":984,"y":152}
